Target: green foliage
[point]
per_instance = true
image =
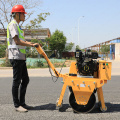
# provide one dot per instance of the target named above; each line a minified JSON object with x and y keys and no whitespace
{"x":35,"y":24}
{"x":57,"y":41}
{"x":77,"y":47}
{"x":2,"y":50}
{"x":83,"y":50}
{"x":68,"y":47}
{"x":32,"y":52}
{"x":47,"y":40}
{"x":6,"y":63}
{"x":39,"y":63}
{"x":28,"y":51}
{"x":105,"y":48}
{"x":44,"y":46}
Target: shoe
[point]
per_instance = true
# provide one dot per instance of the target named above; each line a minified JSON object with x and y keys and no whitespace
{"x":27,"y":106}
{"x":21,"y":109}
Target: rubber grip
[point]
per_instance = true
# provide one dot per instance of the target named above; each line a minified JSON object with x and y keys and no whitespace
{"x":36,"y":46}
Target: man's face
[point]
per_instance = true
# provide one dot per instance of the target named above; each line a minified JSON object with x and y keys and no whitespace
{"x":22,"y":17}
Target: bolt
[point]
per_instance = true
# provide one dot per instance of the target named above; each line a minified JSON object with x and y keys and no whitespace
{"x":83,"y":82}
{"x":94,"y":82}
{"x":62,"y":82}
{"x":77,"y":85}
{"x":88,"y":85}
{"x":72,"y":81}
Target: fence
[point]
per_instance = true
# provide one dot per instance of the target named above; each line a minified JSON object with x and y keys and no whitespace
{"x":68,"y":54}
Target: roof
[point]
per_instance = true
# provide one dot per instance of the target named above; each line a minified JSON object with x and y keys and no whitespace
{"x":41,"y":31}
{"x":30,"y":34}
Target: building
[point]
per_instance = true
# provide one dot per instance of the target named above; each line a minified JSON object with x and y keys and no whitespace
{"x":114,"y":48}
{"x":2,"y":36}
{"x":40,"y":34}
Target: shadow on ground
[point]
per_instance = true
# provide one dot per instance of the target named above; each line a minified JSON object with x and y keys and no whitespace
{"x":50,"y":106}
{"x":110,"y":108}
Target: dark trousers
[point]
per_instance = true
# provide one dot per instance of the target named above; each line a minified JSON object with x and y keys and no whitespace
{"x":20,"y":81}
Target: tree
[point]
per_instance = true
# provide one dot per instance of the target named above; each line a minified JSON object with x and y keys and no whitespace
{"x":32,"y":52}
{"x":77,"y":47}
{"x":35,"y":24}
{"x":105,"y":48}
{"x":44,"y":46}
{"x":68,"y":47}
{"x":6,"y":7}
{"x":57,"y":42}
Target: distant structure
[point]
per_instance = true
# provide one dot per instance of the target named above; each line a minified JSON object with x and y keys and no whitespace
{"x":40,"y":34}
{"x":114,"y":47}
{"x":70,"y":53}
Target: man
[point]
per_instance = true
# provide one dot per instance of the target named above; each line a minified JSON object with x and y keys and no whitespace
{"x":17,"y":56}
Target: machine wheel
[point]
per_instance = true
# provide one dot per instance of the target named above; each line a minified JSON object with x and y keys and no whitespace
{"x":82,"y":108}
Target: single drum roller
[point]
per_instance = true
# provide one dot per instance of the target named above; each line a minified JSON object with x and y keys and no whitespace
{"x":86,"y":77}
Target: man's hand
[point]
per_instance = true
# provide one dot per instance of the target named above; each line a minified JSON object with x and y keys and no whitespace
{"x":35,"y":44}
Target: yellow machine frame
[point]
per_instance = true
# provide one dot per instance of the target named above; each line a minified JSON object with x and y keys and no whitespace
{"x":83,"y":87}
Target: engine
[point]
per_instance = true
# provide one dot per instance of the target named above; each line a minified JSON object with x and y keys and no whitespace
{"x":85,"y":62}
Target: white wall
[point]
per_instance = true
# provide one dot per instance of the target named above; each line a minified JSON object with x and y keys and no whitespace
{"x":117,"y":51}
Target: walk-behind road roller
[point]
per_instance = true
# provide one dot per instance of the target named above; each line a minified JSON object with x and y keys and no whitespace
{"x":86,"y":77}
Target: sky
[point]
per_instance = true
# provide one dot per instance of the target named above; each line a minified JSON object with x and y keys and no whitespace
{"x":101,"y":21}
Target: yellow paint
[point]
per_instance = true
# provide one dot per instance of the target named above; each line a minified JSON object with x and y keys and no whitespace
{"x":73,"y":69}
